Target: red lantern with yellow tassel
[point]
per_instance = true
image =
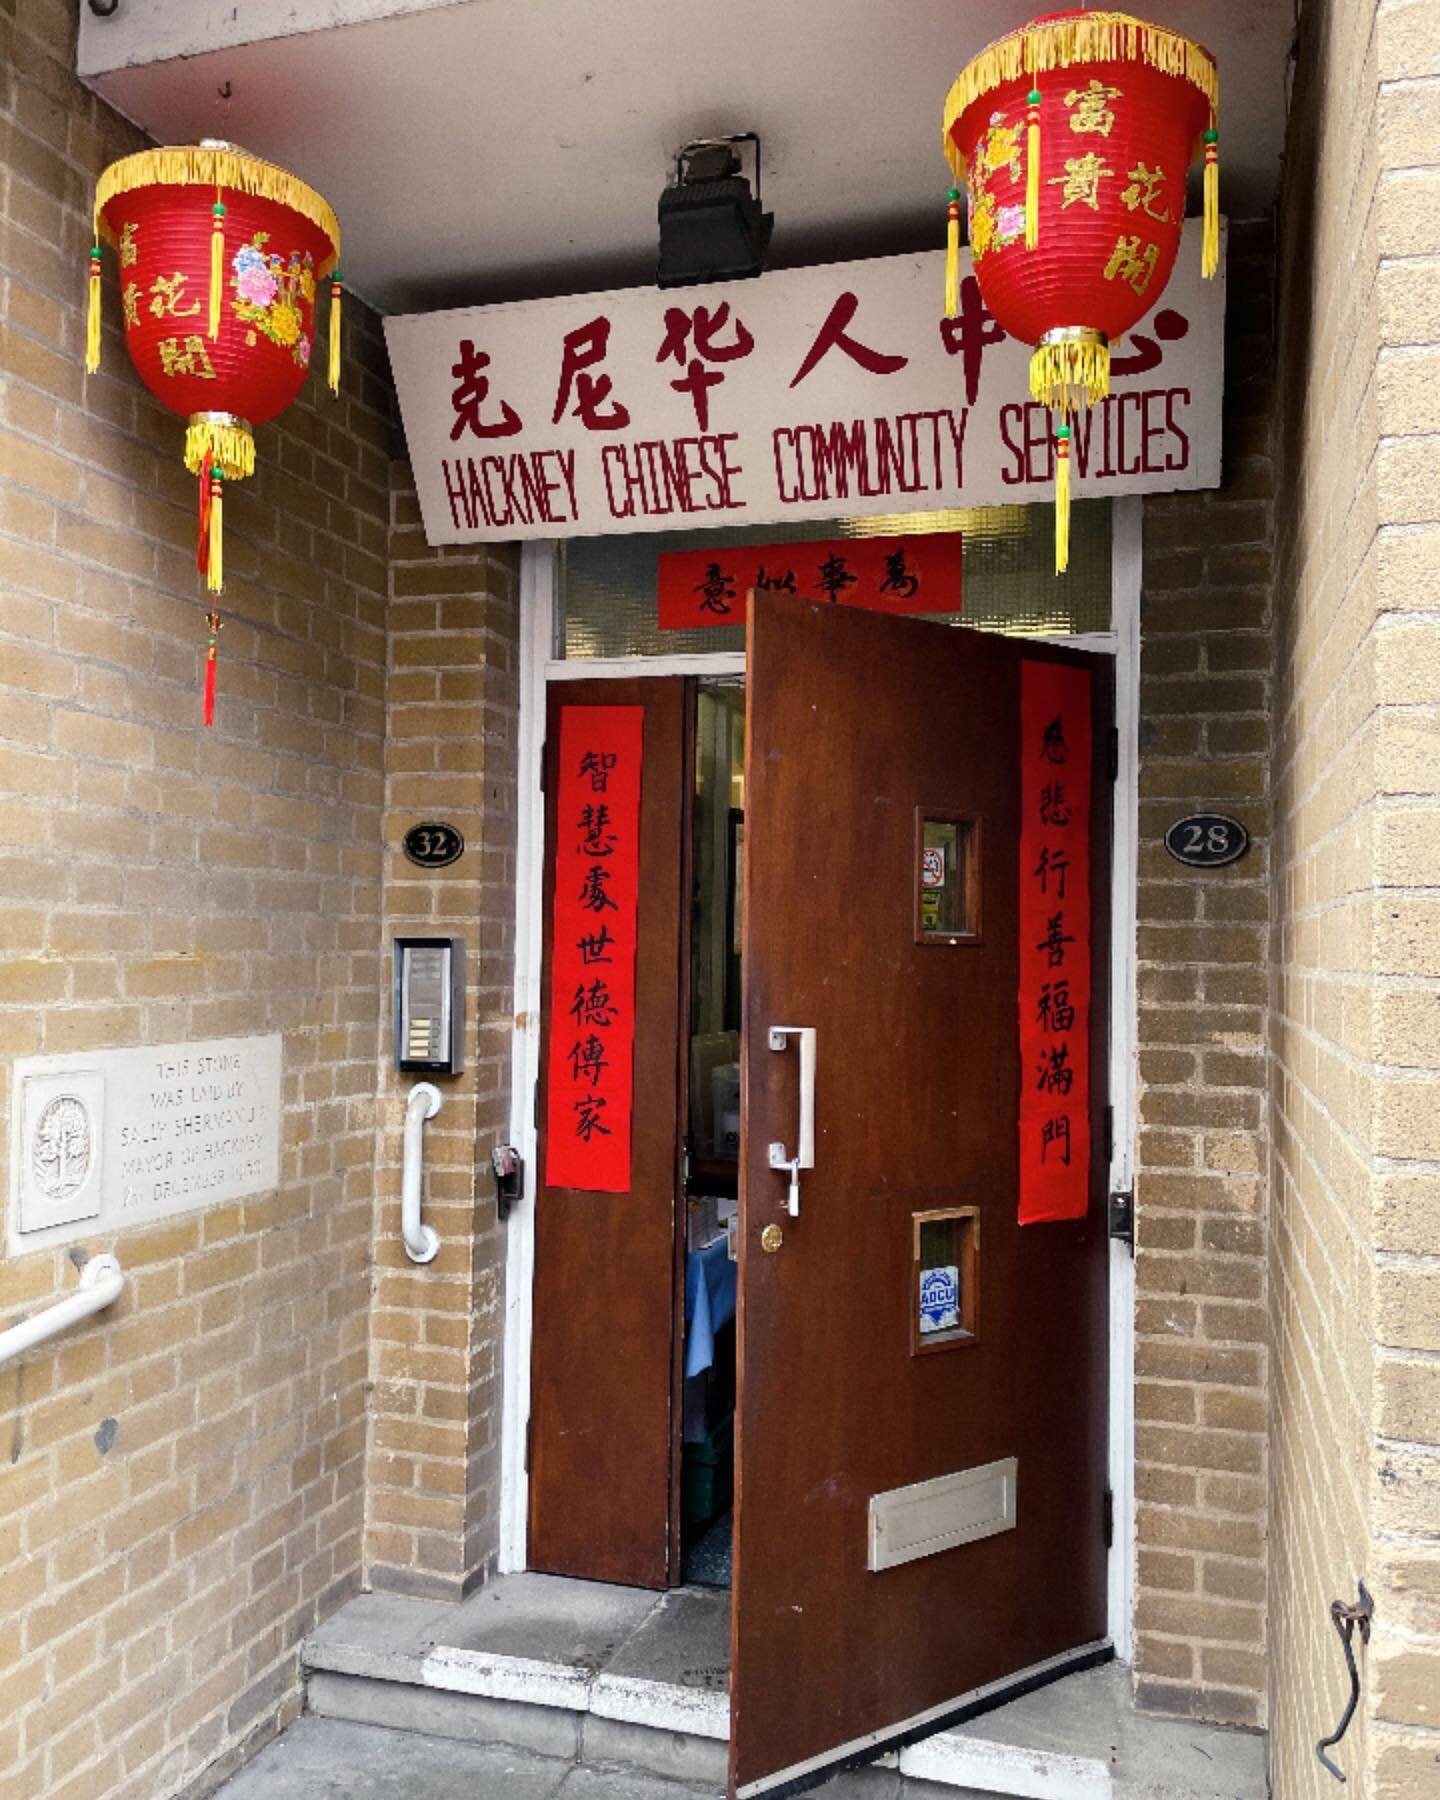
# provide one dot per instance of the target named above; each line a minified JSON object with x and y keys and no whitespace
{"x":1072,"y":138}
{"x":222,"y":257}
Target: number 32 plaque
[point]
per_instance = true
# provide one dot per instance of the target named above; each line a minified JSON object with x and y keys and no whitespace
{"x":433,"y":845}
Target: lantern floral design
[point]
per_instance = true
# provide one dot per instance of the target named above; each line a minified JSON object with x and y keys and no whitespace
{"x":1070,"y":141}
{"x":221,"y":259}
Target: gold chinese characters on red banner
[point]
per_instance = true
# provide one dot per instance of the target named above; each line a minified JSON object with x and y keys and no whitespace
{"x":594,"y":919}
{"x":912,"y":574}
{"x":1055,"y":751}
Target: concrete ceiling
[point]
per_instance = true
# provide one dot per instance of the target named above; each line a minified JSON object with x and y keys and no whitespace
{"x":480,"y":150}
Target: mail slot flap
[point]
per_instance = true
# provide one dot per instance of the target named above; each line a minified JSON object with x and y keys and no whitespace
{"x":929,"y":1516}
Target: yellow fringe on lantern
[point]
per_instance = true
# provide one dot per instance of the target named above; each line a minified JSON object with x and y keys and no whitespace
{"x":334,"y":371}
{"x":198,"y":165}
{"x":217,"y":264}
{"x":1032,"y":183}
{"x":1083,"y":38}
{"x":228,"y":441}
{"x":215,"y":560}
{"x":1070,"y":374}
{"x":1062,"y":501}
{"x":92,"y":321}
{"x":1210,"y":230}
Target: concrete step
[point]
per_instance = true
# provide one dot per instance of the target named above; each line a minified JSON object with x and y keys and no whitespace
{"x":605,"y":1677}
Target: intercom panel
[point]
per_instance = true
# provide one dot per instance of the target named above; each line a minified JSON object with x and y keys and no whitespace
{"x":429,"y":1005}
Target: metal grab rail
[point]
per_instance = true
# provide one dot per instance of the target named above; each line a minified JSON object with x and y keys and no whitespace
{"x":102,"y":1281}
{"x":422,"y":1243}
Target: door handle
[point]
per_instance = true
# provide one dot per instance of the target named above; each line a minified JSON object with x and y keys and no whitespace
{"x":804,"y":1157}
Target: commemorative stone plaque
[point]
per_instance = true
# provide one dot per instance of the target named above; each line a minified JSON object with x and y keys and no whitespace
{"x":118,"y":1138}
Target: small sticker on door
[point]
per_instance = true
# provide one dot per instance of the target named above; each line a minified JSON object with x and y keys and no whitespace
{"x":939,"y":1299}
{"x":932,"y":868}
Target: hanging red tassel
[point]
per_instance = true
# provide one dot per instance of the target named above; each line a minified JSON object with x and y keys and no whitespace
{"x":210,"y":667}
{"x":202,"y":543}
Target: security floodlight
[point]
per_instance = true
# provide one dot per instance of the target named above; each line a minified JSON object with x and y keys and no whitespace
{"x":711,"y":225}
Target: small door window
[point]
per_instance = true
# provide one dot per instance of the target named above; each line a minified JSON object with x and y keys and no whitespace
{"x":945,"y":1294}
{"x":947,"y":878}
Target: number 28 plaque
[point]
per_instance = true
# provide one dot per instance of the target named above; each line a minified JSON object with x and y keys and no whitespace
{"x":1207,"y":840}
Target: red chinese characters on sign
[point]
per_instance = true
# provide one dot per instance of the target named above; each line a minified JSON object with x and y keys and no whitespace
{"x":1055,"y":753}
{"x":918,"y":574}
{"x":591,"y":1025}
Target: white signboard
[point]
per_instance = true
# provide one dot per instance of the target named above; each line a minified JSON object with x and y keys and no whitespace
{"x":118,"y":1138}
{"x":808,"y":393}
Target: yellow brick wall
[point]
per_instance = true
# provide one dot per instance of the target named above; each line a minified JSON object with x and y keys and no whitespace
{"x":1354,"y":1238}
{"x":1200,"y":1360}
{"x":180,"y":1482}
{"x":432,"y":1498}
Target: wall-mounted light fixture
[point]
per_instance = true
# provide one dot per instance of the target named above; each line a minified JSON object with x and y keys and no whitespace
{"x":711,"y":224}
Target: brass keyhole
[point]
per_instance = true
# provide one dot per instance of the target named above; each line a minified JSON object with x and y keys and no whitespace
{"x":771,"y":1238}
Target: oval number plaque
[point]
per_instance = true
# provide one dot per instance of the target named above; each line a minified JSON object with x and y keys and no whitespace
{"x":1206,"y":840}
{"x":433,"y":845}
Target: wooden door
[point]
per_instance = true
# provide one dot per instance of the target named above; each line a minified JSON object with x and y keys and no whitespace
{"x":604,"y":1355}
{"x":857,"y":724}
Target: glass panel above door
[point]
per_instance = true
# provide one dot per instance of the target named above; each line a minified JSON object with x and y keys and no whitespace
{"x":608,"y":591}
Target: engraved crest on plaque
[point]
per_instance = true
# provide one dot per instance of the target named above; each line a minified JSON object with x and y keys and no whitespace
{"x":63,"y":1147}
{"x":58,"y":1147}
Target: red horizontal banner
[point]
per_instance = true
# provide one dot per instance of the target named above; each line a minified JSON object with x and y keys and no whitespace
{"x":918,"y":574}
{"x":1054,"y":941}
{"x":590,"y":1072}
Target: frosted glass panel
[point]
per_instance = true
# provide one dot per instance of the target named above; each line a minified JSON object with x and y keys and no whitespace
{"x":607,"y":601}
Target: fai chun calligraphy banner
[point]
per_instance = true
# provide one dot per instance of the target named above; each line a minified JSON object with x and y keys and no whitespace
{"x":591,"y":1027}
{"x":1054,"y":942}
{"x":881,"y":574}
{"x":809,"y":393}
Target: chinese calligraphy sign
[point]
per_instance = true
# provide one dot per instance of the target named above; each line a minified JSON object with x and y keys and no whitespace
{"x":1055,"y":959}
{"x":812,"y":393}
{"x":590,"y":1027}
{"x":919,"y":574}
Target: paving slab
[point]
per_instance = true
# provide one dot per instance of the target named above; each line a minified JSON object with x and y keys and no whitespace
{"x":684,"y":1640}
{"x":325,"y":1759}
{"x":546,"y":1619}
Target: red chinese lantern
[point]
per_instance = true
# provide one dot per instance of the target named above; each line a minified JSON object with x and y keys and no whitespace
{"x":1072,"y":138}
{"x":221,"y":259}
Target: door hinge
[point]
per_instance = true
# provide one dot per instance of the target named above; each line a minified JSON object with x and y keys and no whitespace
{"x":1122,"y":1217}
{"x":1109,"y":1135}
{"x":1108,"y":1517}
{"x":1114,"y":752}
{"x":535,"y":1106}
{"x":544,"y":768}
{"x":529,"y":1439}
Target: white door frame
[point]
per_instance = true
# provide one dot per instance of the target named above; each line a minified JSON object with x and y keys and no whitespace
{"x":538,"y":667}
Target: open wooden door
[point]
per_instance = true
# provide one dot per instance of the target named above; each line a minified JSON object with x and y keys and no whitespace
{"x":904,"y":1328}
{"x":604,"y":1359}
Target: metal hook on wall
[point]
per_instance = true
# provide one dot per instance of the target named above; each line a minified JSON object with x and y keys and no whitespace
{"x":1345,"y":1619}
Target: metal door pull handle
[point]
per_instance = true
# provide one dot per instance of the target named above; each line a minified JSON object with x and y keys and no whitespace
{"x":1345,"y":1618}
{"x":804,"y":1154}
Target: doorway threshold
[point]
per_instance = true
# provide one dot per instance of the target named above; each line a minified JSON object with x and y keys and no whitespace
{"x":613,"y":1675}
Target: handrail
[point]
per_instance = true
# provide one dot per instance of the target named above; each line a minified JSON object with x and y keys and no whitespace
{"x":102,"y":1281}
{"x":422,"y":1244}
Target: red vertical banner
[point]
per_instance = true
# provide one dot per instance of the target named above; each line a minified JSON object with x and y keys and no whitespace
{"x":1055,"y":752}
{"x":590,"y":1070}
